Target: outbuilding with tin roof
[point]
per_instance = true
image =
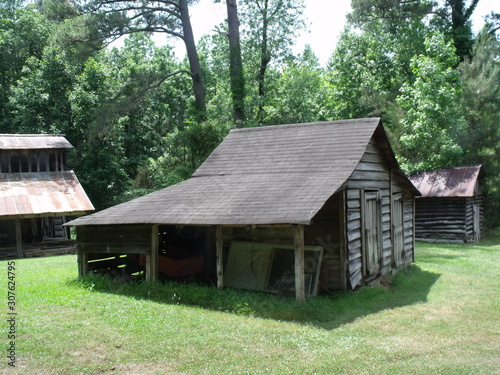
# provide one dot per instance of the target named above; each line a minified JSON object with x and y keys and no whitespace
{"x":451,"y":206}
{"x":37,"y":193}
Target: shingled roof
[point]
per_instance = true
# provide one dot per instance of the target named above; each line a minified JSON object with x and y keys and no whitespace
{"x":267,"y":175}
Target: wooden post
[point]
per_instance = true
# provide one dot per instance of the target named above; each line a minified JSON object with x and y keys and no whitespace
{"x":299,"y":263}
{"x":19,"y":239}
{"x":220,"y":260}
{"x":391,"y":208}
{"x":83,"y":263}
{"x":414,"y":233}
{"x":152,"y":257}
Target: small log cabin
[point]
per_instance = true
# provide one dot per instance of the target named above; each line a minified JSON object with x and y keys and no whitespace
{"x":37,"y":192}
{"x":292,"y":209}
{"x":451,"y":207}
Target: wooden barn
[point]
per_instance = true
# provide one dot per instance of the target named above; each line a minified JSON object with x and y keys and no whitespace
{"x":292,"y":209}
{"x":37,"y":193}
{"x":451,"y":206}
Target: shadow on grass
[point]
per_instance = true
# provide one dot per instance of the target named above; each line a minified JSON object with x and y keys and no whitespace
{"x":408,"y":287}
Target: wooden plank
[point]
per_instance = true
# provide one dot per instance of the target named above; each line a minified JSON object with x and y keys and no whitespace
{"x":219,"y":243}
{"x":19,"y":239}
{"x":115,"y":234}
{"x":354,"y":254}
{"x":354,"y":235}
{"x":299,"y":263}
{"x":353,"y":194}
{"x":354,"y":225}
{"x":112,"y":248}
{"x":354,"y":245}
{"x":370,"y":184}
{"x":369,"y":177}
{"x":353,"y":203}
{"x":152,"y":256}
{"x":355,"y":278}
{"x":83,"y":264}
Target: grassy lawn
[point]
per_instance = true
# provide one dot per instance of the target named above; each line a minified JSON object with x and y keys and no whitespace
{"x":441,"y":316}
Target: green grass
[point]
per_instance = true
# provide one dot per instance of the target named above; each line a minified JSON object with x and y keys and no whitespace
{"x":441,"y":316}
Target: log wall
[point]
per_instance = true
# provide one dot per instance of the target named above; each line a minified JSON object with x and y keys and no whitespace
{"x":448,"y":219}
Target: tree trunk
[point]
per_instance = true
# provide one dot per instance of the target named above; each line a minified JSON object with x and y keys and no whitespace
{"x":194,"y":62}
{"x":264,"y":62}
{"x":235,"y":64}
{"x":461,"y":29}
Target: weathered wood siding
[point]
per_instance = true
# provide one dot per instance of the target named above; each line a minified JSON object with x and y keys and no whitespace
{"x":474,"y":218}
{"x":111,"y":248}
{"x":373,"y":176}
{"x":409,"y":230}
{"x":326,"y":231}
{"x":114,"y":239}
{"x":449,"y":219}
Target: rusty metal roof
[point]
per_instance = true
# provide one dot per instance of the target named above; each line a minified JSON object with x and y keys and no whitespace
{"x":267,"y":175}
{"x":448,"y":182}
{"x":42,"y":193}
{"x":32,"y":141}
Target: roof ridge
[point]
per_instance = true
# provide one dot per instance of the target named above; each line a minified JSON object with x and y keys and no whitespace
{"x":32,"y":135}
{"x":307,"y":124}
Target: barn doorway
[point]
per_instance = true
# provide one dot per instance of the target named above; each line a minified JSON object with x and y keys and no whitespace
{"x":372,"y":228}
{"x":398,"y":230}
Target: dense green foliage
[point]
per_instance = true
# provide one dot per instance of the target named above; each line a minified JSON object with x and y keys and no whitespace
{"x":141,"y":119}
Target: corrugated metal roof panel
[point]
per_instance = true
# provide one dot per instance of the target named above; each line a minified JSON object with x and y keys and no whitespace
{"x":28,"y":194}
{"x":32,"y":141}
{"x":448,"y":182}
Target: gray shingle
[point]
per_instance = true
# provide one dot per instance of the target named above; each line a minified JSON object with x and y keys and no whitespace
{"x":269,"y":175}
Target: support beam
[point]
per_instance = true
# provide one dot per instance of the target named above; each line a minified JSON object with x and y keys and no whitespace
{"x":220,"y":260}
{"x":391,"y":213}
{"x":83,"y":263}
{"x":414,"y":205}
{"x":299,"y":263}
{"x":152,"y":257}
{"x":19,"y":239}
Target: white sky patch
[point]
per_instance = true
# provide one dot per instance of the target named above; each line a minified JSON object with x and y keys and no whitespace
{"x":325,"y":19}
